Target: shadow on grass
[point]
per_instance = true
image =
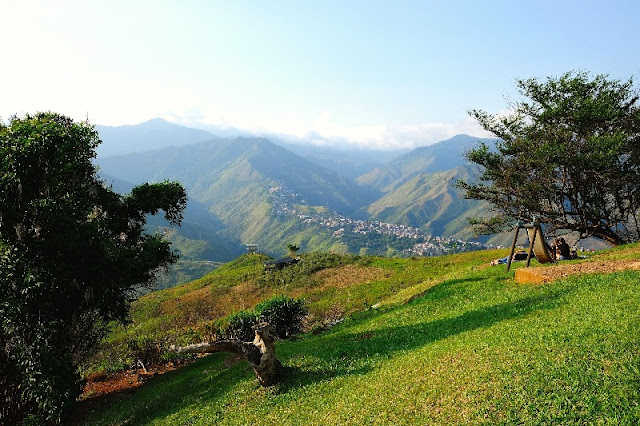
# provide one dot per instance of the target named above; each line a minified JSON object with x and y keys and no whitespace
{"x":339,"y":353}
{"x":445,"y":289}
{"x":201,"y":381}
{"x":345,"y":349}
{"x":199,"y":384}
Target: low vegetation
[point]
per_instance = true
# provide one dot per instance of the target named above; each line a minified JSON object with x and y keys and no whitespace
{"x":332,"y":285}
{"x":452,"y":340}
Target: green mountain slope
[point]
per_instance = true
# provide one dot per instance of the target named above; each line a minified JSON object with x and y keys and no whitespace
{"x":235,"y":179}
{"x":445,"y":155}
{"x":418,"y":190}
{"x":260,"y":192}
{"x":429,"y":201}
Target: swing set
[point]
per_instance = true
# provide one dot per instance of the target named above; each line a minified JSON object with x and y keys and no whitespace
{"x":537,"y":244}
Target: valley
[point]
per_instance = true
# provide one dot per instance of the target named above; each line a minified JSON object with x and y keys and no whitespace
{"x":364,"y":236}
{"x":251,"y":190}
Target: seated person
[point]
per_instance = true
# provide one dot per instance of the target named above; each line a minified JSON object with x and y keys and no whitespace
{"x":561,"y":249}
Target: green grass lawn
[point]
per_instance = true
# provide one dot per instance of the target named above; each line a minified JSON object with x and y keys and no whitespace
{"x":475,"y":347}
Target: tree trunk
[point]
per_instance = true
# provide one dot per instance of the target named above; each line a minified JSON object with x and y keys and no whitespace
{"x":260,"y":353}
{"x":608,"y":237}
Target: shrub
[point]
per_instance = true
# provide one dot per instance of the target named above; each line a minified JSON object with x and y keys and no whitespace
{"x":239,"y":325}
{"x":285,"y":315}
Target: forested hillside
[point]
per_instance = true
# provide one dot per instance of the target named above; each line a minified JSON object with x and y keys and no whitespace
{"x":240,"y":181}
{"x":429,"y":201}
{"x":251,"y":190}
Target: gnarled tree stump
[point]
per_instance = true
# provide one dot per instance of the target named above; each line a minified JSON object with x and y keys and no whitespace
{"x":260,"y":353}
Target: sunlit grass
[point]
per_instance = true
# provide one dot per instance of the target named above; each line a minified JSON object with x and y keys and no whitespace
{"x":473,"y":348}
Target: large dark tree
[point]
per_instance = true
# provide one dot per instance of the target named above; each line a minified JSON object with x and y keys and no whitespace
{"x":71,"y":251}
{"x":568,"y":155}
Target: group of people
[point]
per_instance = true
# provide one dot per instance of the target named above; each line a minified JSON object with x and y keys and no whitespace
{"x":560,"y":249}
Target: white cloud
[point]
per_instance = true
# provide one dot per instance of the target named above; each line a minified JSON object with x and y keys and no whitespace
{"x":323,"y":130}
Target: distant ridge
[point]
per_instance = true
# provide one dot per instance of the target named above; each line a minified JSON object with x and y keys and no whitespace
{"x":441,"y":156}
{"x":153,"y":134}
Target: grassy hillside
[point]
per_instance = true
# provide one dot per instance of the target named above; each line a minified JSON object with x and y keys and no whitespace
{"x":334,"y":286}
{"x":429,"y":201}
{"x":454,"y":342}
{"x":234,"y":180}
{"x":445,"y":155}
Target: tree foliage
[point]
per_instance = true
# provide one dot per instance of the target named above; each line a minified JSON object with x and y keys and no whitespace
{"x":293,"y":249}
{"x":568,"y":155}
{"x":71,"y":252}
{"x":284,"y":314}
{"x":239,"y":325}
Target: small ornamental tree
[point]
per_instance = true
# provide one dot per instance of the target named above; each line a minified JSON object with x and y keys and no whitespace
{"x":285,"y":315}
{"x":71,"y":252}
{"x":253,"y":334}
{"x":568,"y":156}
{"x":239,"y":325}
{"x":292,"y":249}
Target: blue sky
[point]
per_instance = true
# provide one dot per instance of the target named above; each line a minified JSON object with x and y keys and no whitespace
{"x":379,"y":74}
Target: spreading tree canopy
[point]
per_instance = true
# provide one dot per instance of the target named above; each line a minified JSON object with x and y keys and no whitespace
{"x":71,"y":251}
{"x":568,"y":156}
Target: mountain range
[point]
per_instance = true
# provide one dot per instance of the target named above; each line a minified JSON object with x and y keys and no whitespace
{"x":254,"y":190}
{"x":152,"y":134}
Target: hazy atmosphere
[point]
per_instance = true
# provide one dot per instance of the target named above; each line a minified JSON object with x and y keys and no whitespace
{"x":319,"y":212}
{"x":375,"y":74}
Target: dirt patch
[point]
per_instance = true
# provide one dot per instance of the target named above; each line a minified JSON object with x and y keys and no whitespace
{"x":208,"y":304}
{"x":244,"y":296}
{"x":347,"y":275}
{"x":101,"y":389}
{"x":100,"y":385}
{"x":232,"y":359}
{"x":364,"y":336}
{"x":540,"y":275}
{"x":114,"y":383}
